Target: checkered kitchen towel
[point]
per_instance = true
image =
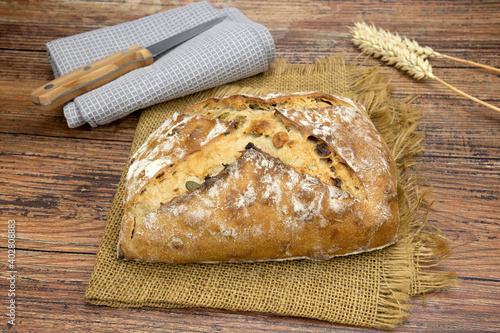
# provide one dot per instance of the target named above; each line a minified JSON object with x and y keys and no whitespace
{"x":233,"y":49}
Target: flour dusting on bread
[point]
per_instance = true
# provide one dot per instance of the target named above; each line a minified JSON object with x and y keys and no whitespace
{"x":256,"y":178}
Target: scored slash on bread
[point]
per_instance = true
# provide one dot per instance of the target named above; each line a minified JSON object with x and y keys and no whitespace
{"x":256,"y":178}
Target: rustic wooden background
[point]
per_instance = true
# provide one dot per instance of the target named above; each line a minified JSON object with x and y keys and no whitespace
{"x":58,"y":183}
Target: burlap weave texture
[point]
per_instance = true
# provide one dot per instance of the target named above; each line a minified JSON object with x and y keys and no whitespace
{"x":371,"y":289}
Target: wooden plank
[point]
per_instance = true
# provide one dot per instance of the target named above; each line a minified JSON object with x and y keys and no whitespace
{"x":478,"y":301}
{"x":17,"y":87}
{"x":20,"y":73}
{"x":63,"y":276}
{"x":51,"y":183}
{"x":83,"y":183}
{"x":59,"y":183}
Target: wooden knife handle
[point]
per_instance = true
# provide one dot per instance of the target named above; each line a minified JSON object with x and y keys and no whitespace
{"x":94,"y":75}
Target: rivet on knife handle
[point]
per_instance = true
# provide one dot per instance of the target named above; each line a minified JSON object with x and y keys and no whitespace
{"x":91,"y":76}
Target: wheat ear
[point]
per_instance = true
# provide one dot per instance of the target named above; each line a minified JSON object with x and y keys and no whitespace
{"x":412,"y":45}
{"x":403,"y":54}
{"x":364,"y":32}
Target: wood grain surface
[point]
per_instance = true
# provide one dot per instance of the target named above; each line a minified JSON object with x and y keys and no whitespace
{"x":58,"y":183}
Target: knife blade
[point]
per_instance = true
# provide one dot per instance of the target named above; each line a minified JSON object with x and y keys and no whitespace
{"x":68,"y":86}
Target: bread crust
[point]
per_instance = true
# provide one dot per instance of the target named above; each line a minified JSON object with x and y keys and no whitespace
{"x":276,"y":177}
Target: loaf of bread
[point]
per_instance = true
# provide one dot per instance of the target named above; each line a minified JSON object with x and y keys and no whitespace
{"x":258,"y":178}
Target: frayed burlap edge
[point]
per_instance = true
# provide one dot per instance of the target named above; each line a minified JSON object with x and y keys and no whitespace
{"x":407,"y":266}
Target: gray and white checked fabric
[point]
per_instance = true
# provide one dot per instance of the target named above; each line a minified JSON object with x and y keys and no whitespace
{"x":233,"y":49}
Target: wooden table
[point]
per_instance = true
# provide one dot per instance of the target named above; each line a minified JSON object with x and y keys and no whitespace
{"x":58,"y":183}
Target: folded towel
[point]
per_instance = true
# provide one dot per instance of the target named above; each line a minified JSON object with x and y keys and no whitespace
{"x":233,"y":49}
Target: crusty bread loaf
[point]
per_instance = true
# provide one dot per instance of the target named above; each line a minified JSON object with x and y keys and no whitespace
{"x":255,"y":178}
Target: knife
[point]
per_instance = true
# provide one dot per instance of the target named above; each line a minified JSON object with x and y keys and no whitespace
{"x":68,"y":86}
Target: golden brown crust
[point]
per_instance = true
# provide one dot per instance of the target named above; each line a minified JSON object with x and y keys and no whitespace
{"x":272,"y":177}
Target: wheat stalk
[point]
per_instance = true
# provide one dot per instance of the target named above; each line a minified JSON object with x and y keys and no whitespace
{"x":402,"y":53}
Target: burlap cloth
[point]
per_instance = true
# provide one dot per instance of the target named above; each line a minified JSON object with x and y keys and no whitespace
{"x":371,"y":289}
